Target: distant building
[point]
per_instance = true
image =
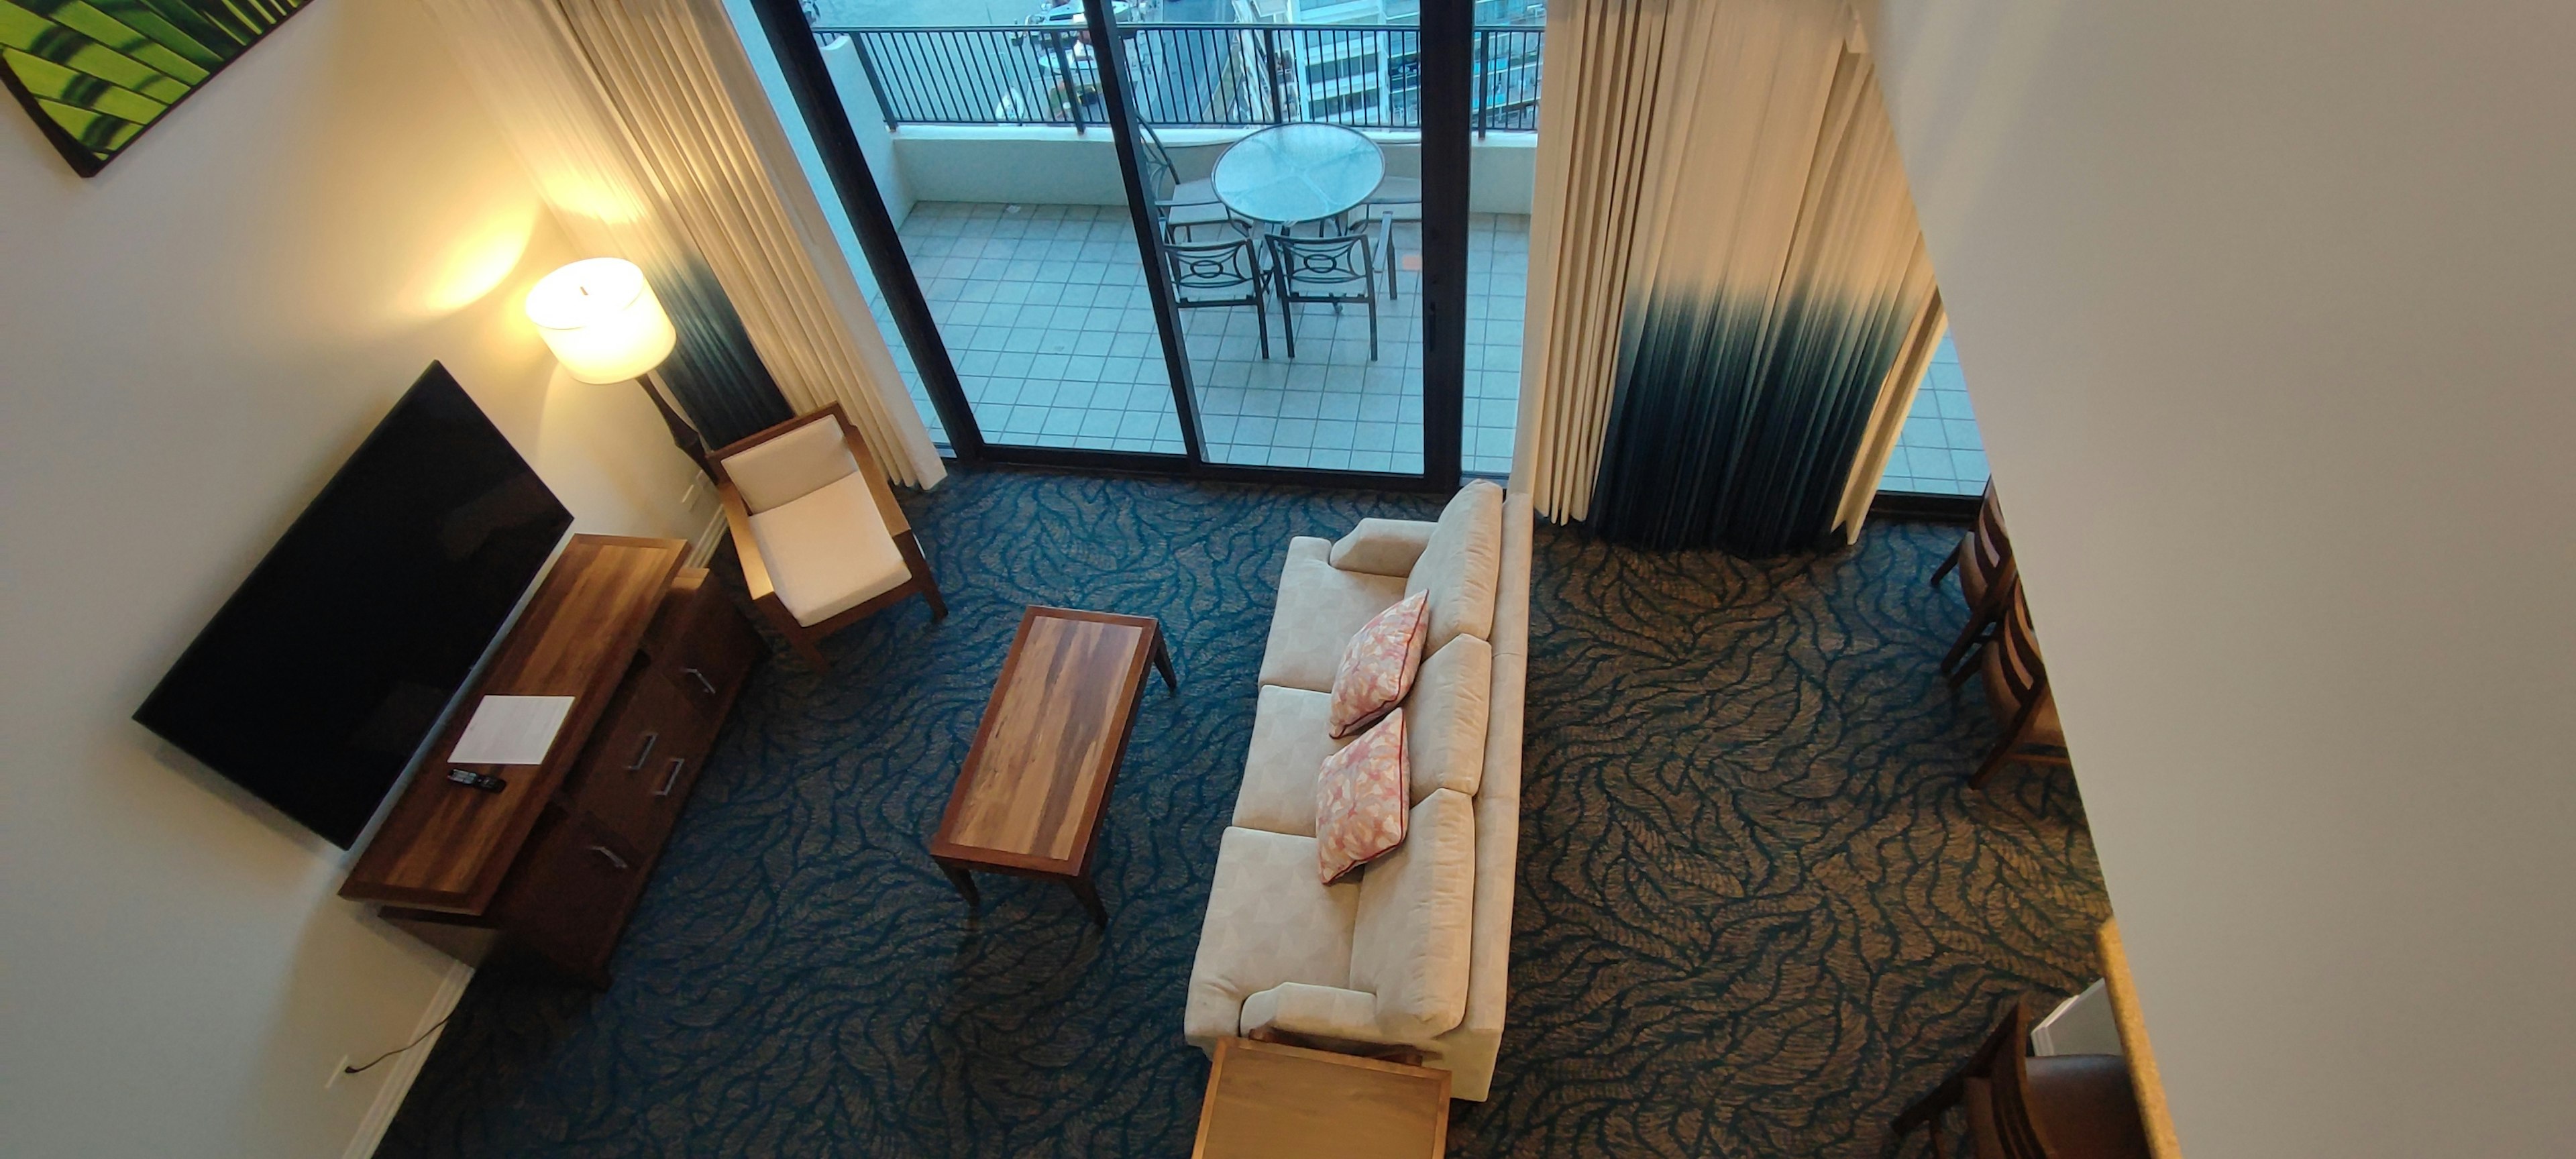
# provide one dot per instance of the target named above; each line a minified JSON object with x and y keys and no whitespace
{"x":1369,"y":76}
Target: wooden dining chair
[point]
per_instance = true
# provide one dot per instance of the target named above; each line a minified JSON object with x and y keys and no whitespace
{"x":1984,"y":561}
{"x":2017,"y":691}
{"x":2071,"y":1106}
{"x":822,"y":541}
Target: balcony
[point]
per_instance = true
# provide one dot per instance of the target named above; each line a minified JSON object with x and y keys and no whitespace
{"x":990,"y":151}
{"x":1056,"y":363}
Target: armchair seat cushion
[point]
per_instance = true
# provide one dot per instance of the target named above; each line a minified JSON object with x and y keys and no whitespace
{"x":1268,"y":921}
{"x":829,"y":551}
{"x":1320,"y":606}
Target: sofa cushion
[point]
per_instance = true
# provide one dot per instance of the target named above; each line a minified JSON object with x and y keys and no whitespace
{"x":829,"y":551}
{"x":1290,"y":740}
{"x":791,"y":466}
{"x":1384,"y":546}
{"x":1268,"y":921}
{"x":1461,"y":565}
{"x":1444,"y":720}
{"x":1359,"y":800}
{"x":1411,"y":936}
{"x":1319,"y":607}
{"x":1378,"y":666}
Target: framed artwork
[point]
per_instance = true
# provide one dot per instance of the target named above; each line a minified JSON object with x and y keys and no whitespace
{"x":96,"y":73}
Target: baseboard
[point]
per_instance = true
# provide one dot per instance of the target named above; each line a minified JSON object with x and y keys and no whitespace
{"x":1918,"y":507}
{"x":702,"y":546}
{"x":405,"y":1067}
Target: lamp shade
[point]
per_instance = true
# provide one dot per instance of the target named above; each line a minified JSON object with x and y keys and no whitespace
{"x":601,"y":320}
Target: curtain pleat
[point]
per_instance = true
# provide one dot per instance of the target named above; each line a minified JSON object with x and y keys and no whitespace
{"x":1887,"y":417}
{"x":1761,"y":279}
{"x":644,"y":126}
{"x":1600,"y":73}
{"x":693,"y":110}
{"x":567,"y":139}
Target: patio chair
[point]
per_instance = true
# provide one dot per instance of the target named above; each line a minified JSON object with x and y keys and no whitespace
{"x":1336,"y":269}
{"x":1180,"y":207}
{"x":1202,"y":275}
{"x":822,"y":542}
{"x":1396,"y":201}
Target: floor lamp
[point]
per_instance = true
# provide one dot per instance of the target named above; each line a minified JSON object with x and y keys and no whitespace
{"x":602,"y":321}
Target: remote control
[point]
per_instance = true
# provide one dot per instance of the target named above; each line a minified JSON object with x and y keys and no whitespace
{"x":471,"y":779}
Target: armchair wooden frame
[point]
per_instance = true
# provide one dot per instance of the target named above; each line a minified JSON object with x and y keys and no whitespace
{"x":807,"y":639}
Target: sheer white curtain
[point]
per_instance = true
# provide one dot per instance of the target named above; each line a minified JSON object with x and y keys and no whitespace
{"x":1887,"y":420}
{"x":645,"y":126}
{"x":1601,"y":70}
{"x":1724,"y":262}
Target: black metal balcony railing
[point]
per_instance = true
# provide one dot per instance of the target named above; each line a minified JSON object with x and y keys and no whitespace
{"x":1205,"y":75}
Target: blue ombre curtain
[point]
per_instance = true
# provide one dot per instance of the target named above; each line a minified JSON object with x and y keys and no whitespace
{"x":713,"y":375}
{"x":1768,"y":270}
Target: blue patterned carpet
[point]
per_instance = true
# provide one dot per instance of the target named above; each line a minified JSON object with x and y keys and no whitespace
{"x":1758,"y":911}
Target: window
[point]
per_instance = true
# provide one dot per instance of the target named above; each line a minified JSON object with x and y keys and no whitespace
{"x":1349,"y":66}
{"x":1343,"y":104}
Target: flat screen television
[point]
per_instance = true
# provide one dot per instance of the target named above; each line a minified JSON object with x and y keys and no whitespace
{"x":319,"y":678}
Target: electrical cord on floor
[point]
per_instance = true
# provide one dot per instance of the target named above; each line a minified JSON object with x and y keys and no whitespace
{"x":424,"y":1037}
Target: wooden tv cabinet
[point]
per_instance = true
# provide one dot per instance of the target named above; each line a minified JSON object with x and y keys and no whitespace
{"x":543,"y":873}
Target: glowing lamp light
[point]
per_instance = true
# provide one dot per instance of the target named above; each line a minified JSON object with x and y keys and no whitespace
{"x":601,"y":320}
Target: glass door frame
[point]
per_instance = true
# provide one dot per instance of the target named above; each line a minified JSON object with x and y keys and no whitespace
{"x":1447,"y":44}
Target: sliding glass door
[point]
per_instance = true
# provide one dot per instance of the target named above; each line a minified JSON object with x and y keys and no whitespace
{"x":1110,"y":236}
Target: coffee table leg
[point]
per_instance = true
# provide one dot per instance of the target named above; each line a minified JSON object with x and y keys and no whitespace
{"x":965,"y":883}
{"x":1090,"y":899}
{"x":1163,"y":664}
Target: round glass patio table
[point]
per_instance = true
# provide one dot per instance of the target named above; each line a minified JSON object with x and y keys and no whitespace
{"x":1301,"y":172}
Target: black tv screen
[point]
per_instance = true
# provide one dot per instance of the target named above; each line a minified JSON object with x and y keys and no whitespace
{"x":316,"y":682}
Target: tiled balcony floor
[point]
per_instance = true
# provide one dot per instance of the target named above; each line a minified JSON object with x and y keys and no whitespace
{"x":1044,"y":312}
{"x":1940,"y":452}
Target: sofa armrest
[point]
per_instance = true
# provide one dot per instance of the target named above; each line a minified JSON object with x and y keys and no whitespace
{"x":1383,"y":546}
{"x":1313,"y":1011}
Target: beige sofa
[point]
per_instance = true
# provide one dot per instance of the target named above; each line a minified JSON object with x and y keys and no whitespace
{"x":1415,"y":953}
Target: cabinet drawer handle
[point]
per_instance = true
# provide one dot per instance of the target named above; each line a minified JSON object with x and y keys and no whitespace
{"x":645,"y":753}
{"x":702,"y":680}
{"x":613,"y":859}
{"x":673,"y":779}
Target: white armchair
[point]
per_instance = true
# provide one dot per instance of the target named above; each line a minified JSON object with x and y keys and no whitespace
{"x":822,"y":541}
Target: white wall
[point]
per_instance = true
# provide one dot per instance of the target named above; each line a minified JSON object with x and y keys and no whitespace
{"x":867,"y":120}
{"x":191,"y":342}
{"x":2269,"y":312}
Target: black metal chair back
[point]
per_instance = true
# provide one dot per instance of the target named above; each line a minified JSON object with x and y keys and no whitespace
{"x":1161,"y":175}
{"x":1226,"y":273}
{"x":1335,"y":268}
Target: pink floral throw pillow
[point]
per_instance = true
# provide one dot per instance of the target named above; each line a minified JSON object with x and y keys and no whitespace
{"x":1359,"y":800}
{"x":1379,"y":664}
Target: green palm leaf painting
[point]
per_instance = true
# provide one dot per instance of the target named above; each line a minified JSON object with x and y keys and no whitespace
{"x":96,"y":73}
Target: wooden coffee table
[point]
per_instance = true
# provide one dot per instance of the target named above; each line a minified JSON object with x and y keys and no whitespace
{"x":1270,"y":1101}
{"x":1029,"y":799}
